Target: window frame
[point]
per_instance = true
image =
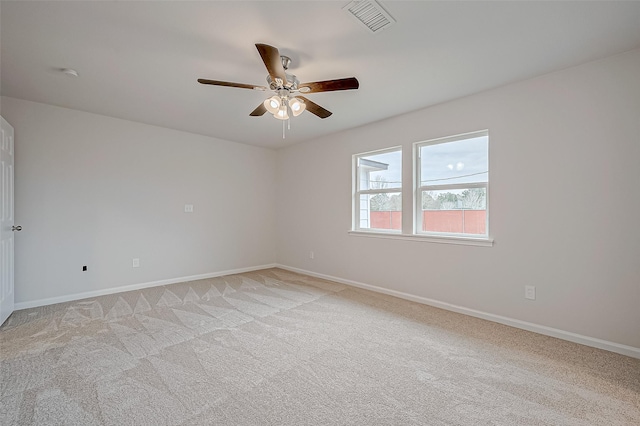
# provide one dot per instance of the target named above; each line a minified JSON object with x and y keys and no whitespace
{"x":418,"y":188}
{"x":357,"y":192}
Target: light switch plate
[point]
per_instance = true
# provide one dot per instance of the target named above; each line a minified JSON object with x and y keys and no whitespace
{"x":530,"y":292}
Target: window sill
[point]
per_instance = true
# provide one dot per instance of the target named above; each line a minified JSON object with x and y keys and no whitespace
{"x":465,"y":241}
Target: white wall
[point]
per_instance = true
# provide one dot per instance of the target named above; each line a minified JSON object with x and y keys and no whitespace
{"x":564,"y":197}
{"x":98,"y":191}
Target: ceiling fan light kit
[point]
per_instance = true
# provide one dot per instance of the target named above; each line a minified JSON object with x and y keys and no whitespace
{"x":297,"y":106}
{"x":272,"y":104}
{"x":284,"y":103}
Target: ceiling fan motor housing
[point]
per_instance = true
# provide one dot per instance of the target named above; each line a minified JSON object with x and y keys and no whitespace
{"x":291,"y":83}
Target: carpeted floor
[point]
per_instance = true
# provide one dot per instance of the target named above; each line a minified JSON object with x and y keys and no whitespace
{"x":278,"y":348}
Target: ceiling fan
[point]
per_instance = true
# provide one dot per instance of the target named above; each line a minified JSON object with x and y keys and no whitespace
{"x":286,"y":86}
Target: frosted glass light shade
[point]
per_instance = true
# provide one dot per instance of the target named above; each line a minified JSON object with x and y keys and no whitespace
{"x":297,"y":106}
{"x":282,"y":114}
{"x":272,"y":104}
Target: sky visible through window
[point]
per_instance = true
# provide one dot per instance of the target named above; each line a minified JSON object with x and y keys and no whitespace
{"x":463,"y":161}
{"x":392,"y":177}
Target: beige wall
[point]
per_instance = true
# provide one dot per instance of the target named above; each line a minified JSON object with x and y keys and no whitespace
{"x":98,"y":191}
{"x":564,"y":150}
{"x":564,"y":175}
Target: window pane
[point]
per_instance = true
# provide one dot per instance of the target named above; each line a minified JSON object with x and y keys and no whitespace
{"x":380,"y":171}
{"x":459,"y":211}
{"x":461,"y":161}
{"x":381,"y":211}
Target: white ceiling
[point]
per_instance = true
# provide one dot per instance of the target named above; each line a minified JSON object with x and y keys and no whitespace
{"x":140,"y":60}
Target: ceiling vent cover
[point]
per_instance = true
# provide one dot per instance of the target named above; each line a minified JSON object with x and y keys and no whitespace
{"x":371,"y":14}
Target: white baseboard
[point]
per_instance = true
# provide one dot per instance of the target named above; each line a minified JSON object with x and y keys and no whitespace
{"x":536,"y":328}
{"x":112,"y":290}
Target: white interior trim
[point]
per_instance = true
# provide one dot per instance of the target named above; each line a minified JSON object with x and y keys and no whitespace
{"x":444,"y":239}
{"x":524,"y":325}
{"x":112,"y":290}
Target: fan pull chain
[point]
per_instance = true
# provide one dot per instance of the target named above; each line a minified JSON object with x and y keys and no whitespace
{"x":282,"y":129}
{"x":289,"y":124}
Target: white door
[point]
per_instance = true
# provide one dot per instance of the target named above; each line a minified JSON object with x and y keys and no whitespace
{"x":7,"y":227}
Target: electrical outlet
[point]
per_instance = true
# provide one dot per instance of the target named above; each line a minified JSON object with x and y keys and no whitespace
{"x":530,"y":292}
{"x":84,"y":269}
{"x":312,"y":255}
{"x":188,"y":208}
{"x":136,"y":263}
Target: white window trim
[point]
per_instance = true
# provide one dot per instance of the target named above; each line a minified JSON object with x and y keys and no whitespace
{"x":355,"y":201}
{"x":431,"y":237}
{"x":443,"y":239}
{"x":417,"y":195}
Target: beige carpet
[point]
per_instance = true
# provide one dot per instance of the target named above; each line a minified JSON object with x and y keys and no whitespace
{"x":277,"y":348}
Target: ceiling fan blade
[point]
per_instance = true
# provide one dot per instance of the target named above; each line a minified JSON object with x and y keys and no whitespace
{"x":260,"y":110}
{"x":329,"y":85}
{"x":314,"y":108}
{"x":271,"y":58}
{"x":229,"y":84}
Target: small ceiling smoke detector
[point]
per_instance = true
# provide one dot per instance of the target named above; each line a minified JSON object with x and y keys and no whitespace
{"x":69,"y":71}
{"x":371,"y":14}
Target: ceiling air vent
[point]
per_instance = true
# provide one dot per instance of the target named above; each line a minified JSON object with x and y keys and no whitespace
{"x":371,"y":14}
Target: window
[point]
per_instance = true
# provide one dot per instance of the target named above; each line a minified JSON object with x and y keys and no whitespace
{"x":377,"y":201}
{"x":451,"y":198}
{"x":452,"y":181}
